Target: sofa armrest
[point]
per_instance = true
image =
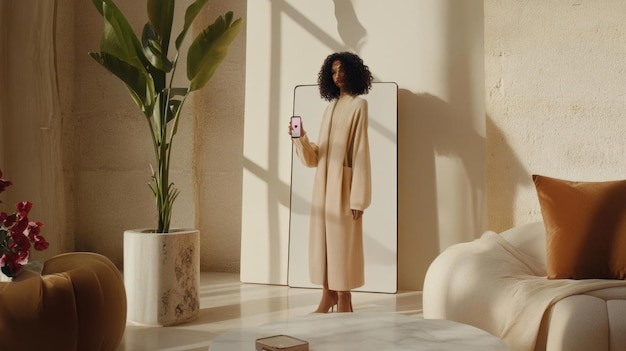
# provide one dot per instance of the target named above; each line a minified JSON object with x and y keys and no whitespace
{"x":530,"y":239}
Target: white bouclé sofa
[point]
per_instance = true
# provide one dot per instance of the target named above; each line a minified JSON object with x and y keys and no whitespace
{"x":498,"y":283}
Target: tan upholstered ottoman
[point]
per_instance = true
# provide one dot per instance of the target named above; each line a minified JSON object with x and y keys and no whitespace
{"x":78,"y":303}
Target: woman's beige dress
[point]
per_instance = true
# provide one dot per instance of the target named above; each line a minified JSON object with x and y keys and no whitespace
{"x":342,"y":183}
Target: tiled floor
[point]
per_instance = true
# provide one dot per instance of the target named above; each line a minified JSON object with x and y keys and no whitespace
{"x":226,"y":303}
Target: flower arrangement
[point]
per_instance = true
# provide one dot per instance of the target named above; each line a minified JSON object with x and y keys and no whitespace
{"x":16,"y":234}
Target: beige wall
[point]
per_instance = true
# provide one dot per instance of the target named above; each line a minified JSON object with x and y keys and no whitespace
{"x":433,"y":49}
{"x":555,"y":85}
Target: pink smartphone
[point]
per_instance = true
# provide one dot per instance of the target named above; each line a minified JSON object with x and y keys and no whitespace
{"x":296,"y":127}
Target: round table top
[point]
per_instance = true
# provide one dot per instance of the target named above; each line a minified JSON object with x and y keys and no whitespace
{"x":366,"y":331}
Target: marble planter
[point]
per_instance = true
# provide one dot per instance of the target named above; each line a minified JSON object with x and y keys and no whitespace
{"x":162,"y":276}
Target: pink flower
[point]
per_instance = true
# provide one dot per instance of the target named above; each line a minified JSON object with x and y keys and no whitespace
{"x":22,"y":256}
{"x":7,"y":220}
{"x":41,"y":243}
{"x":9,"y":264}
{"x":20,"y":242}
{"x":20,"y":226}
{"x":33,"y":229}
{"x":23,"y":208}
{"x":4,"y":184}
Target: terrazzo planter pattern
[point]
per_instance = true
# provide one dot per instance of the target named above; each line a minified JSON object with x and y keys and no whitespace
{"x":162,"y":276}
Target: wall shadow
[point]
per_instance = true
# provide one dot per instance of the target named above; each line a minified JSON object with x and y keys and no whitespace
{"x":418,"y":232}
{"x":461,"y":132}
{"x":349,"y":27}
{"x":506,"y":175}
{"x":428,"y":127}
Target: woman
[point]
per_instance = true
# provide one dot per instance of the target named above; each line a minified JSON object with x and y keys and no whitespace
{"x":342,"y":185}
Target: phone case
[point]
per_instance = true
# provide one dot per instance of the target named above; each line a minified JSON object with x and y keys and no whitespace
{"x":281,"y":343}
{"x":296,"y":123}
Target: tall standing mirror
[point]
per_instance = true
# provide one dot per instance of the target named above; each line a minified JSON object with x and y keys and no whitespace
{"x":380,"y":219}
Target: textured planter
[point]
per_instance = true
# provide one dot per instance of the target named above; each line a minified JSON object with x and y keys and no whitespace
{"x":162,"y":276}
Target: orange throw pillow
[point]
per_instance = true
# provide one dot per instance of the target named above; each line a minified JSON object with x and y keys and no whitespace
{"x":585,"y":228}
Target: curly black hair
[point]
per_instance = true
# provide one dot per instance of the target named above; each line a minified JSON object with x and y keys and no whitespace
{"x":359,"y":77}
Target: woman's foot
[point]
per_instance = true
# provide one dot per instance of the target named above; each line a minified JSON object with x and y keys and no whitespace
{"x":328,"y":302}
{"x":344,"y":301}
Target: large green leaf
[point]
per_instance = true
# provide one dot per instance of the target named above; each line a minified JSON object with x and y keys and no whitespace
{"x":118,"y":38}
{"x":190,"y":16}
{"x":209,"y":49}
{"x":137,"y":81}
{"x":161,"y":16}
{"x":153,"y":50}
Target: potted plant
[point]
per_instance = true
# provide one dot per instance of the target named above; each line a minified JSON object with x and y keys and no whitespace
{"x":147,"y":69}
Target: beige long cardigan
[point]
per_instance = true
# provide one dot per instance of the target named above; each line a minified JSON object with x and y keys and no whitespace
{"x":342,"y":183}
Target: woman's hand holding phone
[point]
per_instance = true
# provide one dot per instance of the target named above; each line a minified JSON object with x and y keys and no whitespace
{"x":295,"y":127}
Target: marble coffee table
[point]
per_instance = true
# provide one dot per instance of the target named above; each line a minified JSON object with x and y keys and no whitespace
{"x":364,"y":332}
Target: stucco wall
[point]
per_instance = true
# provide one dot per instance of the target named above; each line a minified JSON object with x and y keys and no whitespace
{"x":36,"y":51}
{"x":555,"y":86}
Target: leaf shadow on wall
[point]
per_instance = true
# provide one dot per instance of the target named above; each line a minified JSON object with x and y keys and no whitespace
{"x":505,"y":174}
{"x":349,"y":27}
{"x":427,"y":127}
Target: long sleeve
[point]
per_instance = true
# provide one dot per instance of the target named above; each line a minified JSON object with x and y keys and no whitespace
{"x":307,"y":151}
{"x":361,"y":189}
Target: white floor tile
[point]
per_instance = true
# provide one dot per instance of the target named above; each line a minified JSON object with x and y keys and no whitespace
{"x":226,"y":303}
